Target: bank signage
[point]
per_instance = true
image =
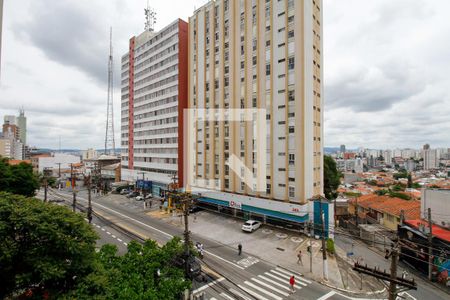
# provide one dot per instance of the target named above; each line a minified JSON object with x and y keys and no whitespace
{"x":235,"y":204}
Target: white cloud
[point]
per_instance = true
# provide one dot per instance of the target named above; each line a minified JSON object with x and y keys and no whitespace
{"x":386,"y":68}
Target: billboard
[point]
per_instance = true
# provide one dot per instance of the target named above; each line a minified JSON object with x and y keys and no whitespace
{"x":144,"y":184}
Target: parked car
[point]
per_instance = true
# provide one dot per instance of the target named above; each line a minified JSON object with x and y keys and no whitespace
{"x":133,"y":194}
{"x":142,"y":198}
{"x":125,"y":192}
{"x":194,"y":209}
{"x":251,"y":225}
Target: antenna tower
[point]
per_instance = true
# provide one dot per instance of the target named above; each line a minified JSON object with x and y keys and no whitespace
{"x":150,"y":18}
{"x":110,"y":145}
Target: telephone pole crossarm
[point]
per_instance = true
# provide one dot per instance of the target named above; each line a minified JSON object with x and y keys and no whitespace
{"x":383,"y":275}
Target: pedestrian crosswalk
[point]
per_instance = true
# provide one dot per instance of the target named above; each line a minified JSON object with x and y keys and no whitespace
{"x":271,"y":285}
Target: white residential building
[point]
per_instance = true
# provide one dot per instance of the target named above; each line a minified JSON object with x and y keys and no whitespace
{"x":56,"y":161}
{"x":154,"y":94}
{"x":430,"y":160}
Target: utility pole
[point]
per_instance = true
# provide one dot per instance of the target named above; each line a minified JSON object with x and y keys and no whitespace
{"x":392,"y":278}
{"x":187,"y":240}
{"x":59,"y":170}
{"x":74,"y":193}
{"x":45,"y":188}
{"x":74,"y":202}
{"x":392,"y":284}
{"x":324,"y":250}
{"x":430,"y":245}
{"x":311,"y":234}
{"x":89,"y":211}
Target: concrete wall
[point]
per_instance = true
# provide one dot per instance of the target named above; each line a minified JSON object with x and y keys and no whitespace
{"x":439,"y":202}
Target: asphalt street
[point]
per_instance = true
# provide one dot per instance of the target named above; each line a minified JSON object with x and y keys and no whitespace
{"x":425,"y":290}
{"x":228,"y":275}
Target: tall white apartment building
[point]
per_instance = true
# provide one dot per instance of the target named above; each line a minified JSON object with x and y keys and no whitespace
{"x":262,"y":55}
{"x":430,"y":159}
{"x":387,"y":155}
{"x":154,"y":93}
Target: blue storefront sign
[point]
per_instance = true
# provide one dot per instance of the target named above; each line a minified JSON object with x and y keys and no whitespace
{"x":318,"y":207}
{"x":144,"y":184}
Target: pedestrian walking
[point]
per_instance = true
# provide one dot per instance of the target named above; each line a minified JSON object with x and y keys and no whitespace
{"x":299,"y":256}
{"x":292,"y":283}
{"x":239,"y":249}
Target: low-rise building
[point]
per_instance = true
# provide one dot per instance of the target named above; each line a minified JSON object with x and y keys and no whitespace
{"x":56,"y":161}
{"x":414,"y":240}
{"x":383,"y":210}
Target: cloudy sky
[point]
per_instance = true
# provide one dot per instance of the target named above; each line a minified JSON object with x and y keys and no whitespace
{"x":386,"y":68}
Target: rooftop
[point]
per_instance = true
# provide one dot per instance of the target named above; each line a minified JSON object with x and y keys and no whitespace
{"x":442,"y":233}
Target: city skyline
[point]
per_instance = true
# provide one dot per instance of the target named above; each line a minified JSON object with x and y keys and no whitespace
{"x":389,"y":100}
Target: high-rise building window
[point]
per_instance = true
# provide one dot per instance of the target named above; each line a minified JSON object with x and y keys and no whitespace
{"x":291,"y":63}
{"x":291,"y":192}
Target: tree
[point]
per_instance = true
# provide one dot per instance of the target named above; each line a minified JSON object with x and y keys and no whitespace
{"x":43,"y":247}
{"x":401,"y":174}
{"x":331,"y":177}
{"x":18,"y":179}
{"x":410,"y":182}
{"x":135,"y":275}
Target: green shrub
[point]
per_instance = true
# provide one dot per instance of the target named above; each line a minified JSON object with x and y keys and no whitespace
{"x":330,"y":246}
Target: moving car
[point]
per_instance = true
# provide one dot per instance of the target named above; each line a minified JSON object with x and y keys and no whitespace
{"x":251,"y":225}
{"x":194,"y":265}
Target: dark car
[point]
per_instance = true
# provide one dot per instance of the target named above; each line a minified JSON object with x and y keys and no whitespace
{"x":194,"y":208}
{"x":195,"y":268}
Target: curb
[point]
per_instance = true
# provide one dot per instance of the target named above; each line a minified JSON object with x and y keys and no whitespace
{"x":352,"y":292}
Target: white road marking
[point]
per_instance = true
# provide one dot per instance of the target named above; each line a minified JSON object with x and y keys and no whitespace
{"x":119,"y":240}
{"x":212,"y":298}
{"x":113,"y":236}
{"x":263,"y":290}
{"x":226,"y":296}
{"x":109,"y":233}
{"x":231,"y":263}
{"x":258,"y":296}
{"x":290,"y":274}
{"x":326,"y":296}
{"x":103,"y":229}
{"x":270,"y":287}
{"x":98,"y":226}
{"x":208,"y":285}
{"x":287,"y":278}
{"x":284,"y":286}
{"x":234,"y":292}
{"x":248,"y":261}
{"x":125,"y":244}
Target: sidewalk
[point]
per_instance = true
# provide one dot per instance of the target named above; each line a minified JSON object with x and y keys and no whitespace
{"x":278,"y":246}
